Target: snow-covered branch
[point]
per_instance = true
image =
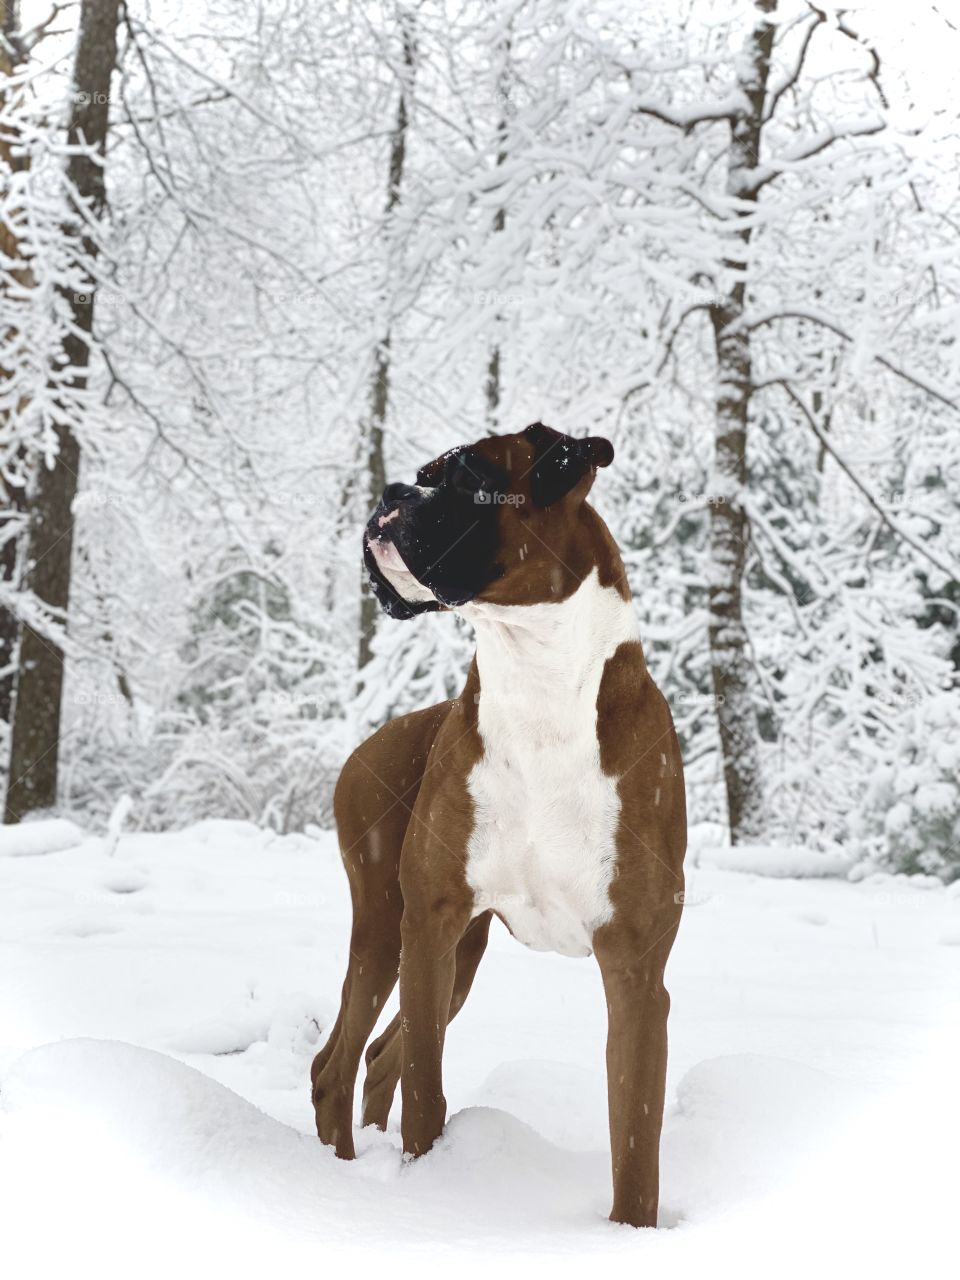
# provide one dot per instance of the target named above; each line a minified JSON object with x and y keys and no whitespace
{"x":688,"y":117}
{"x":794,"y":156}
{"x":793,"y":73}
{"x":755,"y":320}
{"x":952,"y":572}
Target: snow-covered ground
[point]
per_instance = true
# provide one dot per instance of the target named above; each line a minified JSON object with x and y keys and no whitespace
{"x":159,"y":1009}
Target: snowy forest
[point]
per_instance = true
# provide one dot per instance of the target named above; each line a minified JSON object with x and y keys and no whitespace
{"x":258,"y":258}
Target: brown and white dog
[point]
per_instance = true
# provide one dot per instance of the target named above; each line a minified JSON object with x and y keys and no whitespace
{"x":549,"y":794}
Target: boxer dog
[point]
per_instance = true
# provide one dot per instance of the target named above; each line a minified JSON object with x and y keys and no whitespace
{"x":549,"y":794}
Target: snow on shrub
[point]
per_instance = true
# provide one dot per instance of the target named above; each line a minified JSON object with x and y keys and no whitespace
{"x":910,"y":818}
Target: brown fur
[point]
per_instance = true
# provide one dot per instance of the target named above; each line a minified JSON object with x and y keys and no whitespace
{"x":404,"y":818}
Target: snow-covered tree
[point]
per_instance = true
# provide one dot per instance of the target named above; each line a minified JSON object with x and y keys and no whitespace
{"x":57,"y":236}
{"x":344,"y":237}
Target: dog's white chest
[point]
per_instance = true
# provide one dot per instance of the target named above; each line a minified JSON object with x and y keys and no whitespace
{"x":543,"y":848}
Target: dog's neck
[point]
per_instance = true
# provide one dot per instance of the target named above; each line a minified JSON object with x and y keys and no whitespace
{"x":541,"y":660}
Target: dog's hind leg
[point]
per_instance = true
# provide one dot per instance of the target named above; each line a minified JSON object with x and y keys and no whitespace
{"x":372,"y":804}
{"x":383,"y":1055}
{"x":371,"y":975}
{"x":371,"y":831}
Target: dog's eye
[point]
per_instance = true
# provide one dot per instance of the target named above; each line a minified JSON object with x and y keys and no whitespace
{"x":468,"y":481}
{"x":464,"y":478}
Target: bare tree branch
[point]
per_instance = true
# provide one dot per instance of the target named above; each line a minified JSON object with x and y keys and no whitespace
{"x":793,"y":75}
{"x":873,"y":75}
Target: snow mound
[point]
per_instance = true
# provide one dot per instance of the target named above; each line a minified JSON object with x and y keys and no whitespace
{"x":124,"y":1135}
{"x":147,"y":1108}
{"x":541,"y":1090}
{"x":741,"y":1124}
{"x":778,"y":861}
{"x":133,"y":1147}
{"x":29,"y":839}
{"x":225,"y":949}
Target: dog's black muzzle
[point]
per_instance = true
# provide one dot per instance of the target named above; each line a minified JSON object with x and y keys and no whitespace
{"x":391,"y":524}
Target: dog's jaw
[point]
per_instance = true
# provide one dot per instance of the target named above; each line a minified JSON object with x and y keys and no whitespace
{"x":393,"y":567}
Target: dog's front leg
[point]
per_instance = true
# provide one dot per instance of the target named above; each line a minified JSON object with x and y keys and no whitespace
{"x":430,"y":932}
{"x":637,"y":1008}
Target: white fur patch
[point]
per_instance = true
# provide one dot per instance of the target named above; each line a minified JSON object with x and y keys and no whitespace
{"x":543,"y":848}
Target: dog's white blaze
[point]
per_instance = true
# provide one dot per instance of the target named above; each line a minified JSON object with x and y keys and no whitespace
{"x":543,"y":849}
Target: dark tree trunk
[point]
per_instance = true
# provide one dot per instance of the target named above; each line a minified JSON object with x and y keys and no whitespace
{"x":376,"y":482}
{"x":380,"y":381}
{"x":34,"y":754}
{"x":10,"y":518}
{"x":12,"y":160}
{"x":493,"y":387}
{"x":731,"y":667}
{"x":494,"y":373}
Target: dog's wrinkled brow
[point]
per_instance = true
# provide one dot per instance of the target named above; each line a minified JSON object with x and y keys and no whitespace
{"x":433,"y":473}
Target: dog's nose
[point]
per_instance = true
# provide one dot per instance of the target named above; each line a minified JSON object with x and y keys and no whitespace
{"x":398,"y":493}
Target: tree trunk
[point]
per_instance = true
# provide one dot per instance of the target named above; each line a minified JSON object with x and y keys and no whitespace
{"x":731,"y":666}
{"x":492,"y":388}
{"x":504,"y":87}
{"x":36,"y":725}
{"x":12,"y":499}
{"x":12,"y":160}
{"x":380,"y":381}
{"x":376,"y":482}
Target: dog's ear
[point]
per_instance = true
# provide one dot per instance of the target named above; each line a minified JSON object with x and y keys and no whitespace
{"x":431,"y":473}
{"x":561,"y":462}
{"x":598,"y":449}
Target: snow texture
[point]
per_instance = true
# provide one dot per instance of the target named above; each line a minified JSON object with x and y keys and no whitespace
{"x":161,"y":1006}
{"x":776,"y":860}
{"x":48,"y":835}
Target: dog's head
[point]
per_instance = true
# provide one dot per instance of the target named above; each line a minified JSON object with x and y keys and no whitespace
{"x":485,"y":522}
